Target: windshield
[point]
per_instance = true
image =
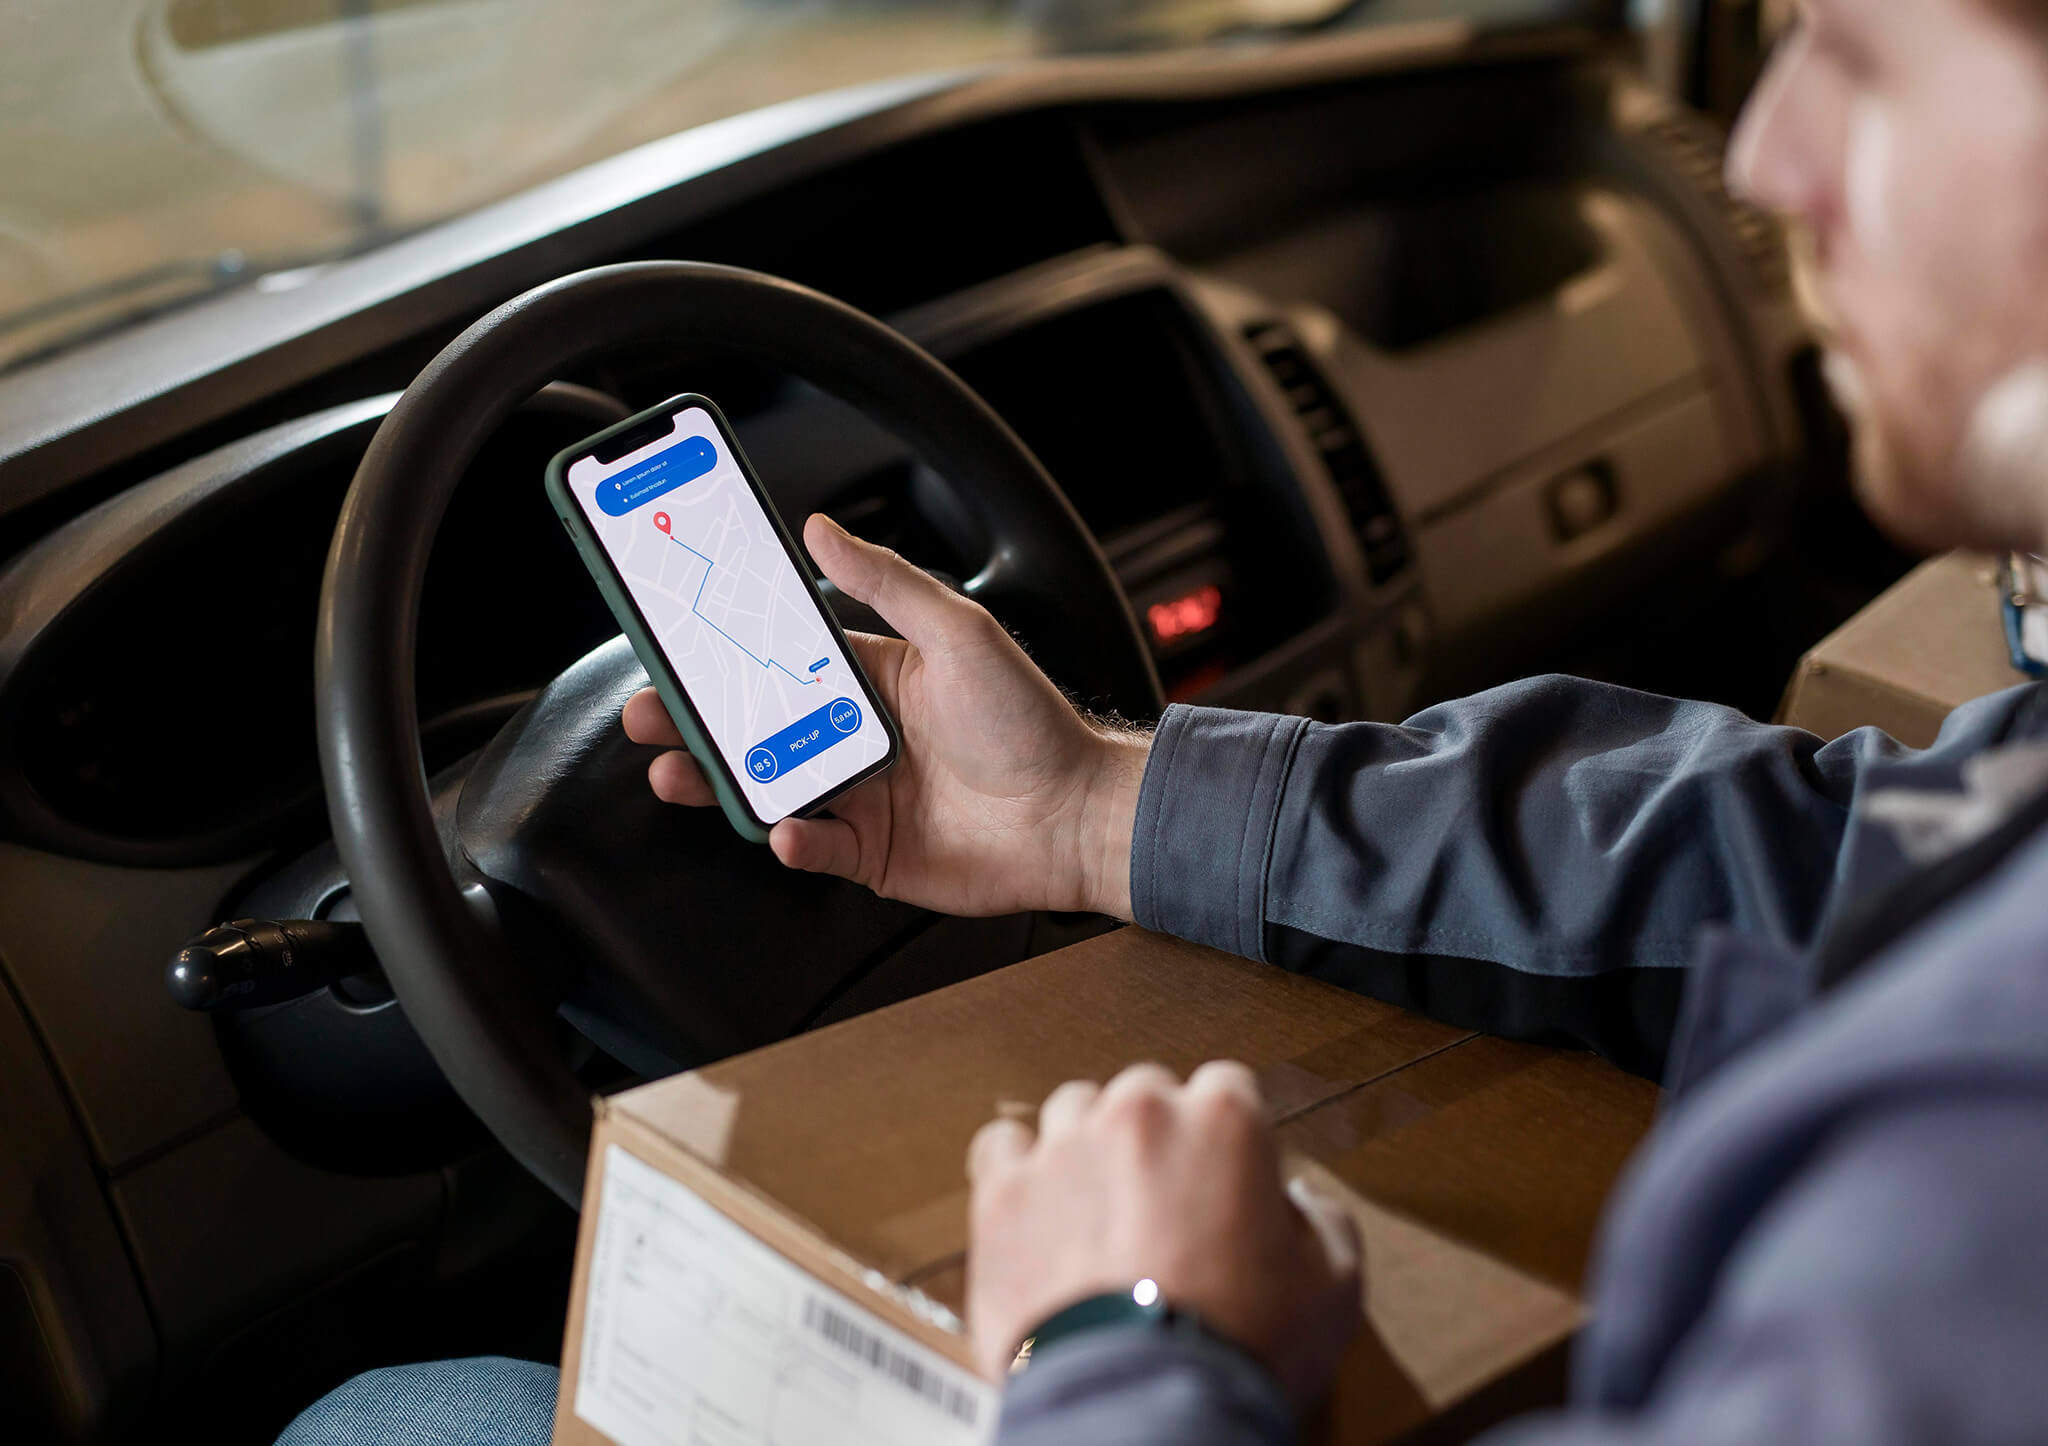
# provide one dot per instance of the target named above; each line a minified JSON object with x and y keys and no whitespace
{"x":158,"y":150}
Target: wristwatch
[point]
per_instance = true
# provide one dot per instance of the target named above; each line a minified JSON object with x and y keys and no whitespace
{"x":1141,"y":1307}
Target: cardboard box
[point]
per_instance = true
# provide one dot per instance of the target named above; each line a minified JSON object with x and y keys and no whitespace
{"x":781,"y":1237}
{"x":1933,"y":641}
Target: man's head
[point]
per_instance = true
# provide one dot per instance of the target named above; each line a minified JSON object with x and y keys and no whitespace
{"x":1909,"y":141}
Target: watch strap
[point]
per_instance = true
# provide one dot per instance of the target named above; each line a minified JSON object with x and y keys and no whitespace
{"x":1141,"y":1308}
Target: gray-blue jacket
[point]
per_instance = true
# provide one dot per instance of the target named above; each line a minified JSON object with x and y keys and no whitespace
{"x":1835,"y":955}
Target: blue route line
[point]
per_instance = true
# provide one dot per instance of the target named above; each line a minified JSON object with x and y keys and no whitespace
{"x":709,"y":569}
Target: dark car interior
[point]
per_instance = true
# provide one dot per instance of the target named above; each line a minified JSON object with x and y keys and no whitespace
{"x":1381,"y":367}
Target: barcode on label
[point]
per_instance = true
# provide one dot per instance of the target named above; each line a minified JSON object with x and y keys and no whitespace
{"x":884,"y":1359}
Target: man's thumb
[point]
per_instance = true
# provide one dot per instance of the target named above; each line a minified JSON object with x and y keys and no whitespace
{"x":1332,"y":1223}
{"x":917,"y":605}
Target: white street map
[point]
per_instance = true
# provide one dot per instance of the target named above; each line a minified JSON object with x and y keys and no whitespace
{"x":726,"y":606}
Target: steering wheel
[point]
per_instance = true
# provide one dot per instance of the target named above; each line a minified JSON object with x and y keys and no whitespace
{"x":554,"y":833}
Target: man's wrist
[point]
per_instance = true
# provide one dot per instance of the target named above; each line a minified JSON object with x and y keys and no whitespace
{"x":1142,"y":1308}
{"x":1109,"y":815}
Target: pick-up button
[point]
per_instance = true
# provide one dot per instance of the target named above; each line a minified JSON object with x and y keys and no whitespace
{"x":809,"y":735}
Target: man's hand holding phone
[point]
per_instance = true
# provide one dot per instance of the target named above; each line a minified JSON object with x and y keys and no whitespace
{"x":1005,"y":799}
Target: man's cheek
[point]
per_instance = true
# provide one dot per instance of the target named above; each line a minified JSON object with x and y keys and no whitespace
{"x":1869,"y":182}
{"x":1916,"y":268}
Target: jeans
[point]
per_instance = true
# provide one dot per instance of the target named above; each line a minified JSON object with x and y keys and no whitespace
{"x":489,"y":1401}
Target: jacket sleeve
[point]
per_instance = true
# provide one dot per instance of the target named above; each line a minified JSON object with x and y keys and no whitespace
{"x":1532,"y":861}
{"x":1139,"y":1388}
{"x":1896,"y":1294}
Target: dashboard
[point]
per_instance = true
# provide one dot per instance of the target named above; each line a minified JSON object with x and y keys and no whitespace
{"x":1364,"y":407}
{"x":1242,"y":334}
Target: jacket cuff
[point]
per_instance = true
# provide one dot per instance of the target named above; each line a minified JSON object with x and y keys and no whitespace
{"x":1204,"y":833}
{"x":1138,"y":1388}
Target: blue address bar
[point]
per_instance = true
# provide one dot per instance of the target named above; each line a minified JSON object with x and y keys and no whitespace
{"x":658,"y":476}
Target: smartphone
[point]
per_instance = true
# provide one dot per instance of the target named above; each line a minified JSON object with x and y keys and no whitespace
{"x":724,"y":612}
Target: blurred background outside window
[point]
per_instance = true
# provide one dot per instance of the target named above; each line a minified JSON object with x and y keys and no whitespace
{"x":158,"y":150}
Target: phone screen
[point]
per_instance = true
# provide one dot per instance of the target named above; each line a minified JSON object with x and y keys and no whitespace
{"x":739,"y":625}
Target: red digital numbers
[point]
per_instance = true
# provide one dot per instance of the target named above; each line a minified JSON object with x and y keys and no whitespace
{"x":1178,"y":619}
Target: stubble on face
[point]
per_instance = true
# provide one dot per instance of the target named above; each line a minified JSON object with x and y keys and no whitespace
{"x":1930,"y":281}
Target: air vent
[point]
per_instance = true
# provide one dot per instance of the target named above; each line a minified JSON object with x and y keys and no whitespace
{"x":1342,"y":445}
{"x":1697,"y":150}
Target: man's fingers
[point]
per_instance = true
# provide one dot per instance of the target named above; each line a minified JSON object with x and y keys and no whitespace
{"x":913,"y":602}
{"x":1226,"y":1077}
{"x":676,"y":778}
{"x":818,"y":846}
{"x":647,"y":721}
{"x":1140,"y":1079}
{"x":998,"y":1143}
{"x":1066,"y":1107}
{"x":1333,"y":1225}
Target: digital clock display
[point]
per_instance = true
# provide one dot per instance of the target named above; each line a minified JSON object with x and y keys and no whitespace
{"x":1179,"y":620}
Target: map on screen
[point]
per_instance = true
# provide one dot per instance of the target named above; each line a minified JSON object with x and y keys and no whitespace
{"x":736,"y":621}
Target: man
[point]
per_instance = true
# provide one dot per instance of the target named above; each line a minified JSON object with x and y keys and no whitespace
{"x":1836,"y":1233}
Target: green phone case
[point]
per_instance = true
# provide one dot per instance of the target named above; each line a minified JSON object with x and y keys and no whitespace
{"x":737,"y":811}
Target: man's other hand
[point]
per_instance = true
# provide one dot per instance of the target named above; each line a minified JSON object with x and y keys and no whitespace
{"x":1004,"y":799}
{"x":1149,"y":1179}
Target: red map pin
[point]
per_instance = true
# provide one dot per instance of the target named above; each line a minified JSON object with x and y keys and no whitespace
{"x":661,"y":521}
